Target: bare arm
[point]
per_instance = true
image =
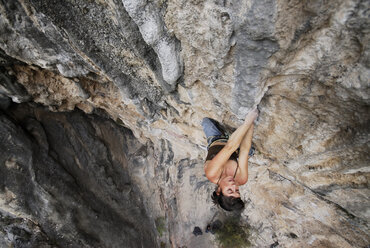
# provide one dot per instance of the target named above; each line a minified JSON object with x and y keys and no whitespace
{"x":213,"y":168}
{"x":245,"y":146}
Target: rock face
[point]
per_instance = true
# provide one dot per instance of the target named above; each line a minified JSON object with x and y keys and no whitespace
{"x":65,"y":182}
{"x":157,"y":68}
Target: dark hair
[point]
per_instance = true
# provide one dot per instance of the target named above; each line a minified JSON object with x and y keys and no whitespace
{"x":228,"y":203}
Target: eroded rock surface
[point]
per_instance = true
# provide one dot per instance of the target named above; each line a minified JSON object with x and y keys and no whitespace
{"x":159,"y":67}
{"x":65,"y":182}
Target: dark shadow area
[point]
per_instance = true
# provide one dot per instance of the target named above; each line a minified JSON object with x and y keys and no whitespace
{"x":66,"y":175}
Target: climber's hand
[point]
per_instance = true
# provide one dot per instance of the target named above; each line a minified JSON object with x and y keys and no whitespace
{"x":251,"y":116}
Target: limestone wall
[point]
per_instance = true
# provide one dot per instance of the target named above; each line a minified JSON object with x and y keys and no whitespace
{"x":158,"y":67}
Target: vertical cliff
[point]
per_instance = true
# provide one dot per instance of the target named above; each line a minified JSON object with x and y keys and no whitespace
{"x":65,"y":180}
{"x":134,"y":79}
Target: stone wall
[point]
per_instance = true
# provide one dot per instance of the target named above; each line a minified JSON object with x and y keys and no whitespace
{"x":159,"y":67}
{"x":65,"y":181}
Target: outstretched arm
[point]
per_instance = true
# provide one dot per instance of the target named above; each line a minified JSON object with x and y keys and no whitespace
{"x":245,"y":146}
{"x":213,"y":168}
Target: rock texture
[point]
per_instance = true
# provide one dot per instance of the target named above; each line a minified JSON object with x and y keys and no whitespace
{"x":65,"y":182}
{"x":159,"y":67}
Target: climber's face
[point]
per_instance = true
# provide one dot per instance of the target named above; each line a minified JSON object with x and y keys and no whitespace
{"x":229,"y":187}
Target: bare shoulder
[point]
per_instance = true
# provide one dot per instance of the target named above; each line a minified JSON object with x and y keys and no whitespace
{"x":241,"y":178}
{"x":241,"y":182}
{"x":210,"y":176}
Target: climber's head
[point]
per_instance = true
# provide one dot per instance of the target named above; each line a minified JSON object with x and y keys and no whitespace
{"x":227,"y":195}
{"x":228,"y":187}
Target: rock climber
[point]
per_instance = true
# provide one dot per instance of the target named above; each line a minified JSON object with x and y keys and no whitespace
{"x":227,"y":160}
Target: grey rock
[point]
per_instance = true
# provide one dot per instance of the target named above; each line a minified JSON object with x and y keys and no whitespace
{"x":148,"y":16}
{"x":305,"y":63}
{"x":254,"y":35}
{"x":66,"y":199}
{"x":9,"y":87}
